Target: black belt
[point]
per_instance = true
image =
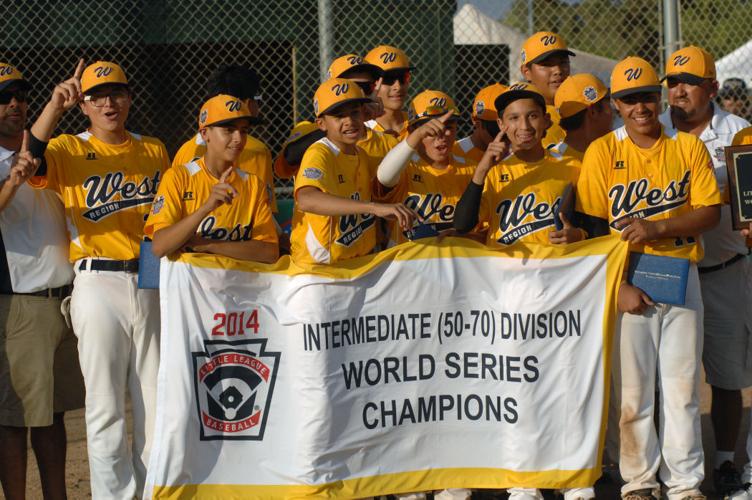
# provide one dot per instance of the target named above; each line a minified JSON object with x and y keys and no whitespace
{"x":722,"y":265}
{"x":52,"y":293}
{"x":128,"y":266}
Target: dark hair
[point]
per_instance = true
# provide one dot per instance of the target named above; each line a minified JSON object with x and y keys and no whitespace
{"x":235,"y":80}
{"x":578,"y":119}
{"x":573,"y":122}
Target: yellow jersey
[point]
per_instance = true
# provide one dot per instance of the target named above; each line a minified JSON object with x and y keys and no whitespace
{"x":322,"y":239}
{"x":432,"y":192}
{"x":376,"y":126}
{"x":255,"y":159}
{"x":564,"y":149}
{"x":106,"y":190}
{"x":671,"y":178}
{"x":744,"y":136}
{"x":519,"y":198}
{"x":377,"y":145}
{"x":185,"y":188}
{"x":555,"y":134}
{"x":465,"y":147}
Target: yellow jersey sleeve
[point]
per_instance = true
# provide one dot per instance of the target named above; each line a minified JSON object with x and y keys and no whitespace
{"x":743,"y":137}
{"x":316,"y":170}
{"x":592,"y":189}
{"x":167,"y":208}
{"x":191,"y":150}
{"x":263,"y":221}
{"x":55,"y":156}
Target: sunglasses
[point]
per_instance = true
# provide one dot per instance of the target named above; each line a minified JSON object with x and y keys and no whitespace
{"x":367,"y":87}
{"x":8,"y":95}
{"x":390,"y":77}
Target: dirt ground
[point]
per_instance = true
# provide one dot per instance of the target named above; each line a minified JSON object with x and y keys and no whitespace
{"x":77,"y":472}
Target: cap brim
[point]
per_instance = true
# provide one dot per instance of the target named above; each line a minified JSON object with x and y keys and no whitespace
{"x":118,"y":84}
{"x":504,"y":99}
{"x":423,"y":119}
{"x":21,"y":83}
{"x":637,"y":90}
{"x":368,"y":68}
{"x":254,"y":120}
{"x":362,"y":100}
{"x":685,"y":78}
{"x":550,"y":53}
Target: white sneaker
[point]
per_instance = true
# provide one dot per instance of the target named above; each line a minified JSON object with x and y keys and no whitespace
{"x":524,"y":494}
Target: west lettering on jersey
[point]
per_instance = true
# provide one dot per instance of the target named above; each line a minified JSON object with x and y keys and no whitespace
{"x":513,"y":213}
{"x":101,"y":191}
{"x":626,"y":199}
{"x":352,"y":226}
{"x":239,"y":232}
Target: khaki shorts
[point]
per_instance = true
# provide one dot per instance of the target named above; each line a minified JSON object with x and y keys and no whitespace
{"x":727,"y":351}
{"x":39,"y":371}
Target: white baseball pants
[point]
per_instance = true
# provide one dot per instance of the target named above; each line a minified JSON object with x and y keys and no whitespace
{"x":668,"y":340}
{"x":118,"y":341}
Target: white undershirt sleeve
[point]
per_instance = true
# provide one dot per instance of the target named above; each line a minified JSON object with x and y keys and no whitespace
{"x":391,"y":166}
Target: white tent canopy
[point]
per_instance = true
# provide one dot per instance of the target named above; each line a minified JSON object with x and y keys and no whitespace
{"x":473,"y":27}
{"x":737,"y":64}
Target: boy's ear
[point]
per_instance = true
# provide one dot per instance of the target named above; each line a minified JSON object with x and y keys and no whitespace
{"x":203,"y":133}
{"x":547,"y":121}
{"x":321,"y":123}
{"x":525,"y":70}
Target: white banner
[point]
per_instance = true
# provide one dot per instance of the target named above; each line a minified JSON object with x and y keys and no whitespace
{"x":426,"y":366}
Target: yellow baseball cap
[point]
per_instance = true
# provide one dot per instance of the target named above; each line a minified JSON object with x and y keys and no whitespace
{"x":519,"y":90}
{"x":578,"y":92}
{"x":633,"y":75}
{"x":541,"y":45}
{"x":102,"y":73}
{"x":430,"y":104}
{"x":221,"y":109}
{"x":10,"y":75}
{"x":690,"y":65}
{"x":388,"y":58}
{"x":483,"y":105}
{"x":344,"y":66}
{"x":334,"y":93}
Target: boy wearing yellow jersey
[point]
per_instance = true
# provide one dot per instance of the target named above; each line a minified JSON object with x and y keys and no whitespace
{"x":334,"y":217}
{"x":545,"y":64}
{"x":391,"y":88}
{"x":656,"y":188}
{"x":209,"y":205}
{"x":485,"y":126}
{"x":107,"y":178}
{"x":517,"y":197}
{"x":584,"y":105}
{"x":351,"y":66}
{"x":241,"y":82}
{"x":422,"y":172}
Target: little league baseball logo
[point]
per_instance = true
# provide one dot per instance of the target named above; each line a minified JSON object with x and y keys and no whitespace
{"x":590,"y":94}
{"x":479,"y":107}
{"x":234,"y":383}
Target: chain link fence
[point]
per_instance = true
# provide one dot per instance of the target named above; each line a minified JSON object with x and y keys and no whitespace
{"x":168,"y":48}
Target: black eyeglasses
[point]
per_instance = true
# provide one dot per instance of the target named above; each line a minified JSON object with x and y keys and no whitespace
{"x":390,"y":77}
{"x":367,"y":87}
{"x":7,"y":95}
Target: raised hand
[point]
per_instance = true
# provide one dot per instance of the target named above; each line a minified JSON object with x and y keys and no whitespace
{"x":404,"y":216}
{"x":222,"y":192}
{"x":67,"y":94}
{"x":24,"y":164}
